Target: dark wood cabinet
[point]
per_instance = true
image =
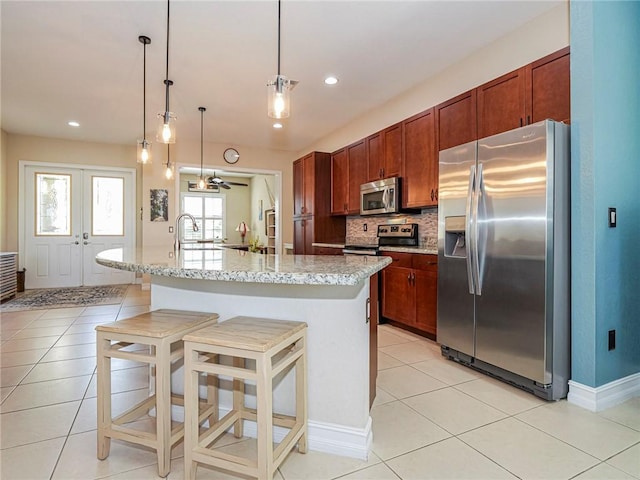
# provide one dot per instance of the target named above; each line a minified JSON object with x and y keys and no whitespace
{"x":501,"y":104}
{"x":420,"y":161}
{"x":339,"y":182}
{"x":456,"y":121}
{"x":312,"y":220}
{"x":357,"y":160}
{"x":384,"y":153}
{"x":409,"y":291}
{"x":549,"y":88}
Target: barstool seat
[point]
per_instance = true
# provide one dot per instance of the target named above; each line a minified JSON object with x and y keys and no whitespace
{"x":276,"y":346}
{"x":160,"y":334}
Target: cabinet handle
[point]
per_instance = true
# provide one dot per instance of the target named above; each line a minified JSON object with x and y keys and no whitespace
{"x":520,"y":121}
{"x":382,"y":173}
{"x":528,"y":119}
{"x":409,"y":278}
{"x":432,"y":195}
{"x":436,"y":194}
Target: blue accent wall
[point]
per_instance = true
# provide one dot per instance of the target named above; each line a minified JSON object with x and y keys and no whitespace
{"x":605,"y":143}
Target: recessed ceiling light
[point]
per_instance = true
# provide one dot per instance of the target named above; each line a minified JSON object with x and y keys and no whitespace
{"x":73,"y":124}
{"x":277,"y":125}
{"x":331,"y":80}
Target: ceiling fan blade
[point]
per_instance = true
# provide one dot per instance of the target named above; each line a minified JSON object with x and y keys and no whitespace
{"x":237,"y":183}
{"x":224,"y":185}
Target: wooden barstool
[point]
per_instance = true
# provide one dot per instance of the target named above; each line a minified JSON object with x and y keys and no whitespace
{"x":161,"y":332}
{"x":276,"y":346}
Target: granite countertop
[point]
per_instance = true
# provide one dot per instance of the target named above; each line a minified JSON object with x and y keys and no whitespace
{"x":328,"y":245}
{"x":230,"y":265}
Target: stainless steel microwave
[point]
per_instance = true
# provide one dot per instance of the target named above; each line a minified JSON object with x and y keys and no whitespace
{"x":382,"y":196}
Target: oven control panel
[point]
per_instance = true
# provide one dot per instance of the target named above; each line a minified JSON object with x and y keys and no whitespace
{"x":405,"y":230}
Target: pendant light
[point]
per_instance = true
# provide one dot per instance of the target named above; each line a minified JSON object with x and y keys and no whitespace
{"x":144,"y":147}
{"x":202,"y":184}
{"x":168,"y":173}
{"x":167,"y":120}
{"x":278,"y":105}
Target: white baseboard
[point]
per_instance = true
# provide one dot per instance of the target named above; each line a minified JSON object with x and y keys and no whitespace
{"x":605,"y":396}
{"x":322,"y":437}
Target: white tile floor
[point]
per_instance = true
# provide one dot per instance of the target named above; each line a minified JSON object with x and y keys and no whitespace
{"x":432,"y":419}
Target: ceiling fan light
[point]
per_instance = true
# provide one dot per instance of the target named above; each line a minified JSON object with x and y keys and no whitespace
{"x":278,"y":99}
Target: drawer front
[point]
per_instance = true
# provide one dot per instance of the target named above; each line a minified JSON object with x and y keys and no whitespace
{"x":425,"y":262}
{"x":399,"y":259}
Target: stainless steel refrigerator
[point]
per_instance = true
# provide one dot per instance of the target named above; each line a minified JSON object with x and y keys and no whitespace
{"x":503,"y":257}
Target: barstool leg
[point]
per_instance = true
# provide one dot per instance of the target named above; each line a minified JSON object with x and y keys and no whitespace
{"x":264,"y":405}
{"x":163,"y":407}
{"x":104,"y":396}
{"x":191,"y":412}
{"x":238,"y":398}
{"x":301,"y":397}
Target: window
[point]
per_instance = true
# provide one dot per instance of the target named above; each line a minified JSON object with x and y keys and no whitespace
{"x":208,"y":210}
{"x":53,"y":204}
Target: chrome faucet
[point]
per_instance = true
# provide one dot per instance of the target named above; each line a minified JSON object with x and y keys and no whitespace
{"x":176,"y":234}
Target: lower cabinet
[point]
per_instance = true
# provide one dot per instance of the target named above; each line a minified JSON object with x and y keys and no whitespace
{"x":410,"y":291}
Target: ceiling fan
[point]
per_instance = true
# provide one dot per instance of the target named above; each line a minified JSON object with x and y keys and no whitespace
{"x":219,"y":182}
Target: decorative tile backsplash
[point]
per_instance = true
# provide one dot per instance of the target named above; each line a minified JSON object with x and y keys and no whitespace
{"x":427,"y":222}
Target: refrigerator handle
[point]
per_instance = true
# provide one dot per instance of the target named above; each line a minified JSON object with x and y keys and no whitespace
{"x":468,"y":229}
{"x":477,"y":278}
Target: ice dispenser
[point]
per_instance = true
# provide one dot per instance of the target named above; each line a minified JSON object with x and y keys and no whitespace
{"x":454,"y":237}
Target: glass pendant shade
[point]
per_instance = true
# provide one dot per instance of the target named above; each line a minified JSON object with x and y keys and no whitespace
{"x":278,"y":97}
{"x":144,"y":152}
{"x":202,"y":185}
{"x":166,"y":128}
{"x":168,"y":173}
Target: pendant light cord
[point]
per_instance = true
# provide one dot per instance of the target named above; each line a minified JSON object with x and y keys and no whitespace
{"x":144,"y":95}
{"x":166,"y":81}
{"x":201,"y":142}
{"x":278,"y":37}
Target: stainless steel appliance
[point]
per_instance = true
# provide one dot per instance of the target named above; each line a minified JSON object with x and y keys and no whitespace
{"x":503,"y":256}
{"x":382,"y":196}
{"x":398,"y":235}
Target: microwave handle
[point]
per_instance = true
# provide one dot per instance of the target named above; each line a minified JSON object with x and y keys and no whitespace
{"x":385,"y":198}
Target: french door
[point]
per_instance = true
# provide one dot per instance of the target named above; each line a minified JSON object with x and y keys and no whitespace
{"x":70,"y":215}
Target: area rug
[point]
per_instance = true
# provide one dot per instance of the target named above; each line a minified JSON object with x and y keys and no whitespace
{"x":44,"y":298}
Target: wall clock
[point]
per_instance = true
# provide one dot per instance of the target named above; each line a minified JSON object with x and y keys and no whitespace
{"x":231,"y":155}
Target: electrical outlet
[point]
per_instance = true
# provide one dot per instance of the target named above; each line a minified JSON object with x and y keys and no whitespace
{"x":612,"y":340}
{"x":613,"y":218}
{"x":364,"y":227}
{"x":170,"y":229}
{"x":170,"y":254}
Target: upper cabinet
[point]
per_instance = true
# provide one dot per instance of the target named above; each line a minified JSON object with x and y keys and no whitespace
{"x":549,"y":92}
{"x":348,"y":172}
{"x":420,"y":161}
{"x":456,"y":121}
{"x":384,"y":153}
{"x":304,"y":185}
{"x":501,"y":104}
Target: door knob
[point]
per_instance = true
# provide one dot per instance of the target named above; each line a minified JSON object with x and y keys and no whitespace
{"x":85,"y":242}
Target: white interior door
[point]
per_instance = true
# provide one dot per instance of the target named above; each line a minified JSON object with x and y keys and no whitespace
{"x":108,"y":222}
{"x":53,"y":250}
{"x":71,"y":214}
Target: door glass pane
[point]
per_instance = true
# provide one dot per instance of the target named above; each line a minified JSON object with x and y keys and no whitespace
{"x":53,"y":204}
{"x":193,"y":205}
{"x":107,"y":208}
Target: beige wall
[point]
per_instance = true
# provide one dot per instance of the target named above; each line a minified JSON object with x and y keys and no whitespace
{"x":541,"y":36}
{"x":4,"y":199}
{"x":188,"y":154}
{"x":39,"y":149}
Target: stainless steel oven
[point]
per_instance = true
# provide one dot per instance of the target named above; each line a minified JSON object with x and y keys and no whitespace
{"x":382,"y":196}
{"x":401,"y":235}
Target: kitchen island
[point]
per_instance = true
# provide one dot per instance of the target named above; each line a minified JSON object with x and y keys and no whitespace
{"x":330,"y":293}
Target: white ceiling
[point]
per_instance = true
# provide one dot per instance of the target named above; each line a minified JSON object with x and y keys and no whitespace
{"x":81,"y":60}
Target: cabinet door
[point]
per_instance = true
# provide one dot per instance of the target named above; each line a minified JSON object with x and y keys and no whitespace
{"x":298,"y":187}
{"x":357,"y":155}
{"x":392,"y":159}
{"x":501,"y":104}
{"x":375,"y":156}
{"x":550,"y":92}
{"x":308,"y":172}
{"x":456,"y":121}
{"x":420,"y":163}
{"x":303,"y":236}
{"x":398,"y":295}
{"x":426,"y":287}
{"x":339,"y":182}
